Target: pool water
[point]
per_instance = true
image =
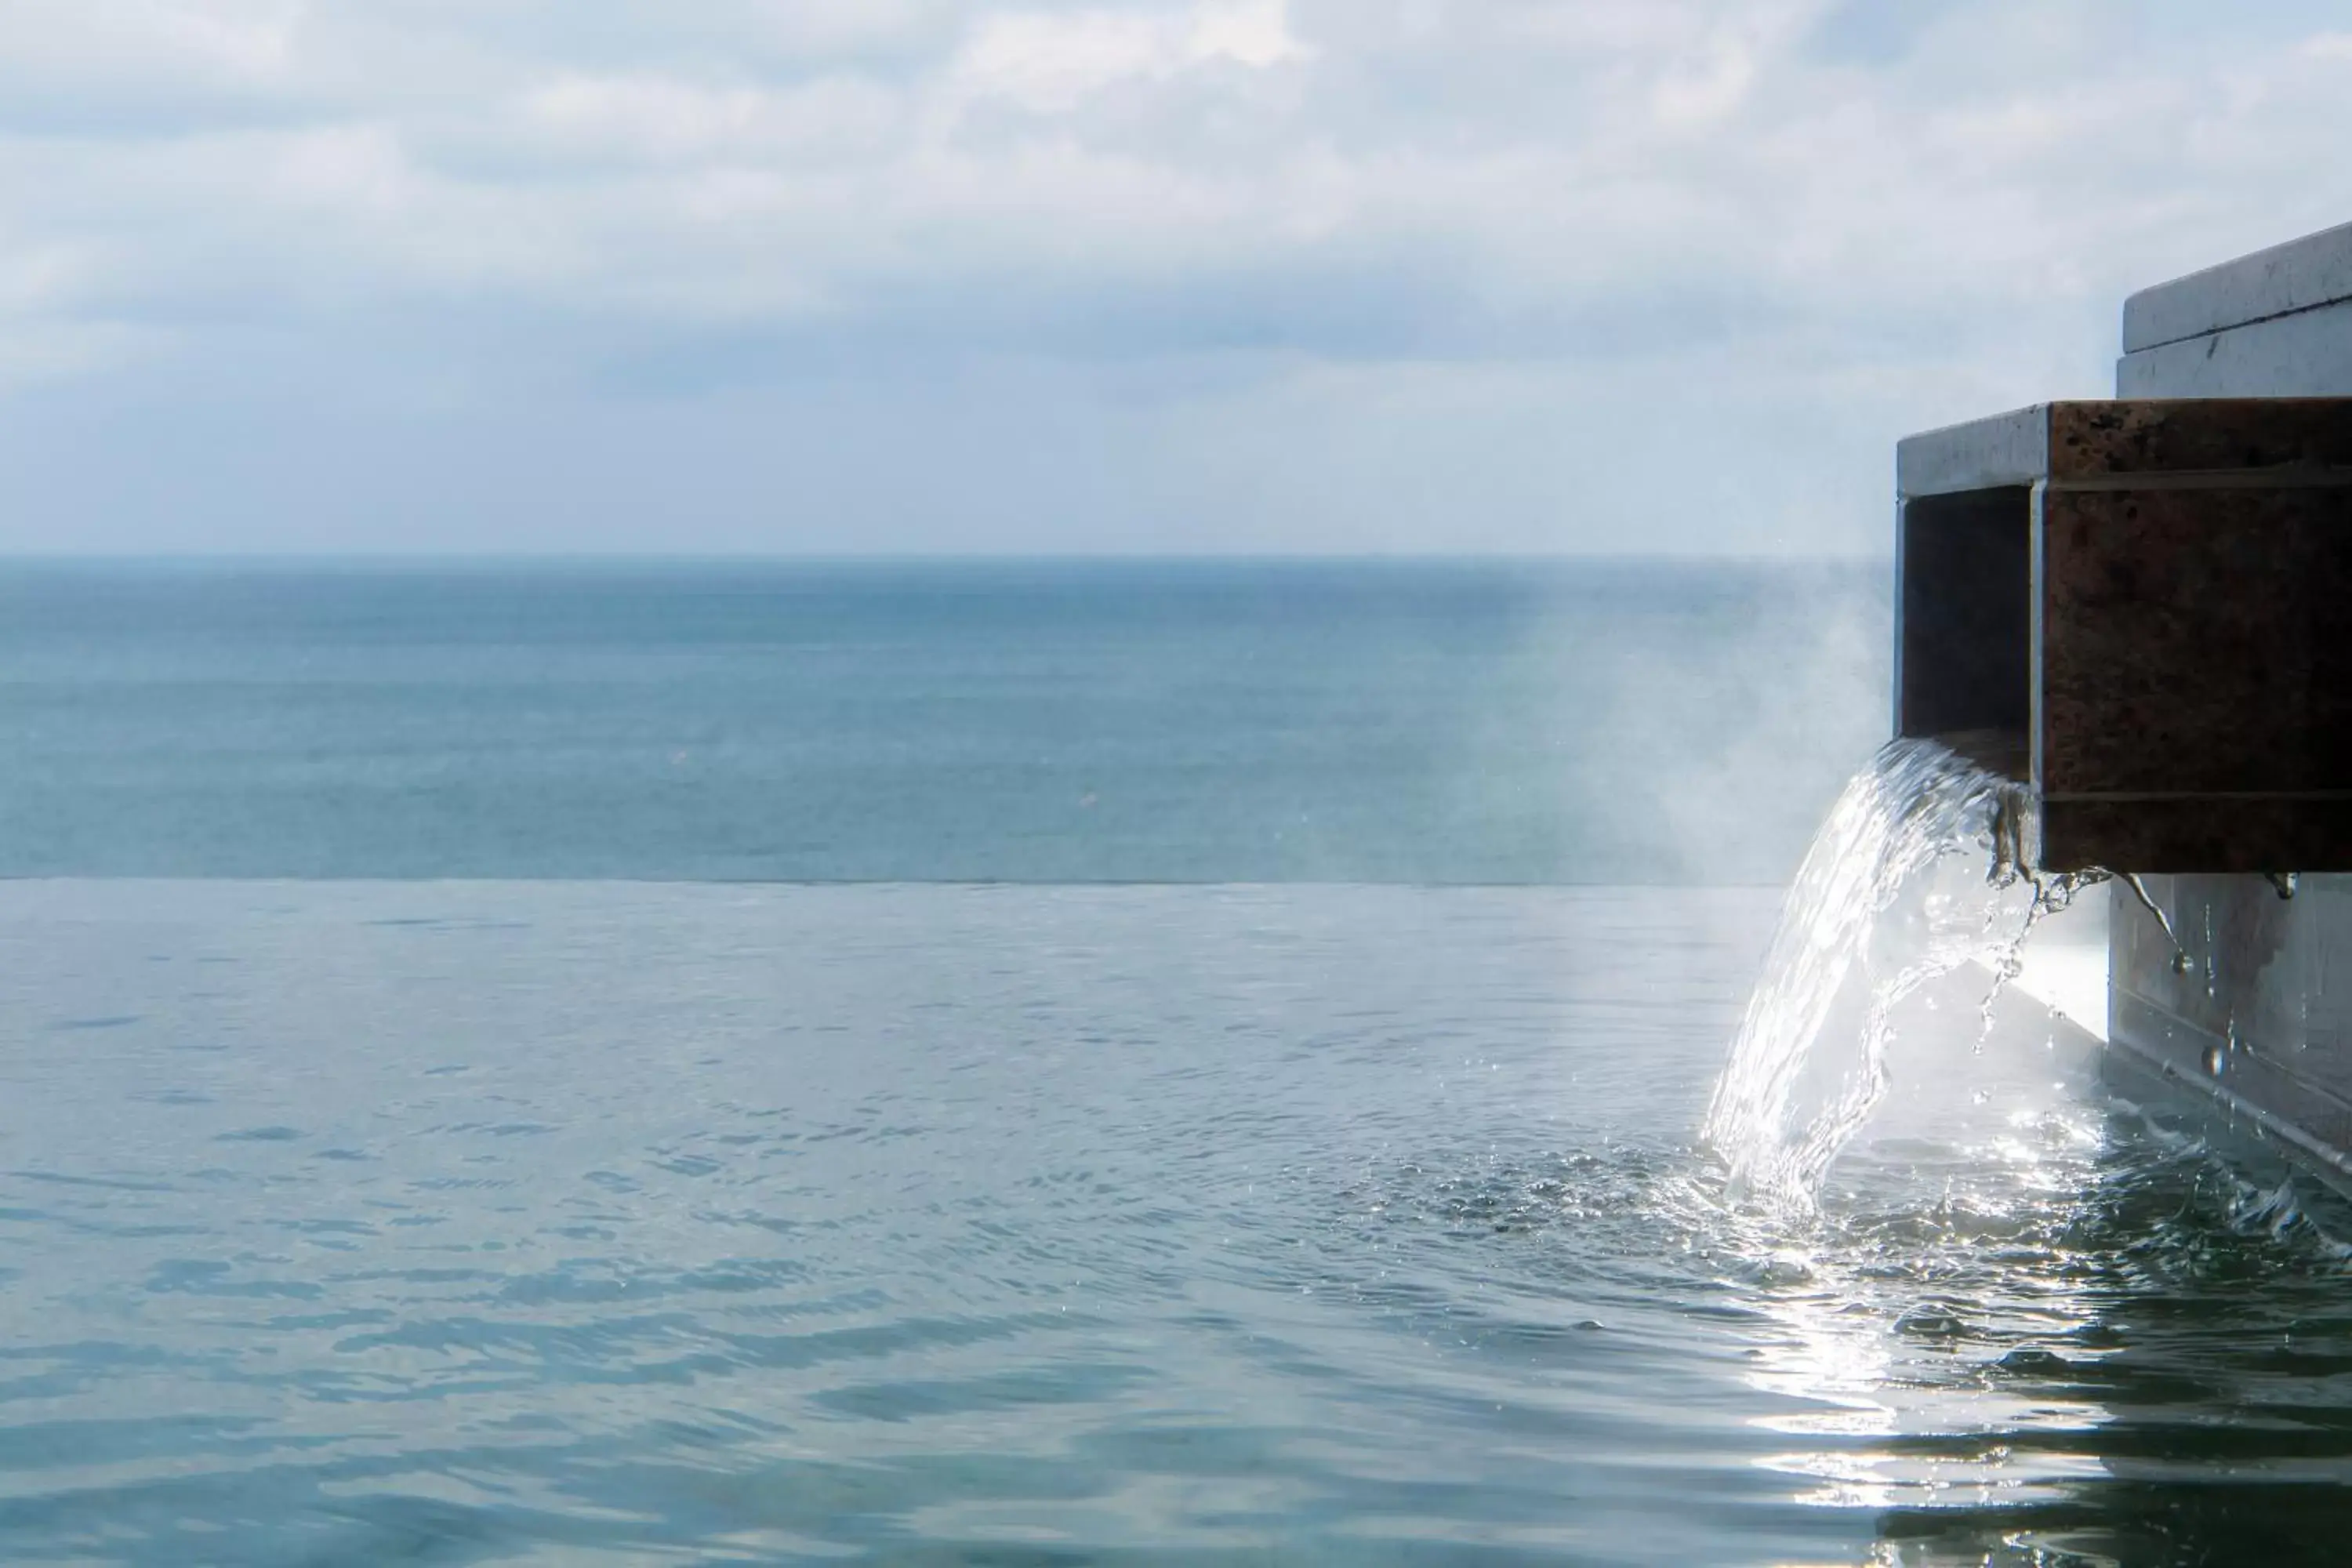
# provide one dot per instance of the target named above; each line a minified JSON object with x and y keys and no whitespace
{"x":602,"y":1222}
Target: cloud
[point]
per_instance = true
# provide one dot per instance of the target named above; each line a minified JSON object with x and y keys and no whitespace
{"x":1782,"y":230}
{"x":646,"y":118}
{"x":1053,"y":61}
{"x":147,"y":43}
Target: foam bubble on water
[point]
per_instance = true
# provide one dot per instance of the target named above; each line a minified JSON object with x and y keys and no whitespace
{"x":1919,"y":869}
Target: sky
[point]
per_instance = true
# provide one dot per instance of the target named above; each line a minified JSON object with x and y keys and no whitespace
{"x":1299,"y":277}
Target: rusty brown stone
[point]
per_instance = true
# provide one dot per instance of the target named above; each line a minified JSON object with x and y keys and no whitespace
{"x":2182,"y":662}
{"x":2195,"y":834}
{"x":2146,"y":436}
{"x":2196,"y":641}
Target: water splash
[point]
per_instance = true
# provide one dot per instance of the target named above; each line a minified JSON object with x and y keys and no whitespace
{"x":1921,"y":867}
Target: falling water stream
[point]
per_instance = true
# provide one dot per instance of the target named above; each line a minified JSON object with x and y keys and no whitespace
{"x":1921,"y":868}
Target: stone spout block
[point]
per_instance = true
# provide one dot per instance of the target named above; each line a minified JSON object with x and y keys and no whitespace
{"x":2147,"y":602}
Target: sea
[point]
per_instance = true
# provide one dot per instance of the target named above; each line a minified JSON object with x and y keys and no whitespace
{"x":1038,"y":1064}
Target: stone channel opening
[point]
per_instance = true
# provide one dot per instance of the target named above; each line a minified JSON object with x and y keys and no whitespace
{"x":1964,"y":665}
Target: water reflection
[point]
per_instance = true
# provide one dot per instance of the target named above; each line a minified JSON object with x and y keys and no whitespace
{"x":2208,"y":1430}
{"x":2040,"y":1322}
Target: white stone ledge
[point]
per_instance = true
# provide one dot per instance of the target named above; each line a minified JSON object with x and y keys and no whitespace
{"x":2308,"y":354}
{"x":2300,"y":275}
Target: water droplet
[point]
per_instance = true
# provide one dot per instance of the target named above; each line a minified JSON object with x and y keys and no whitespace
{"x":1930,"y":1323}
{"x":2215,"y":1060}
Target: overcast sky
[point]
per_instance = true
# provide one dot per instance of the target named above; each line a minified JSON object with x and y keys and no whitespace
{"x":857,"y":276}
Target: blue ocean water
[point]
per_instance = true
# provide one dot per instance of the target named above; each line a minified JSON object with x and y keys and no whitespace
{"x":1028,"y":722}
{"x":649,"y":1066}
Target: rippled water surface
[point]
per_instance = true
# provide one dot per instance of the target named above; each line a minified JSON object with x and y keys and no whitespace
{"x":608,"y":1223}
{"x":972,"y":721}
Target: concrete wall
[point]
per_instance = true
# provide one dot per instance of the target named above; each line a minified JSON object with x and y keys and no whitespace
{"x":2259,"y":1017}
{"x":2274,"y":324}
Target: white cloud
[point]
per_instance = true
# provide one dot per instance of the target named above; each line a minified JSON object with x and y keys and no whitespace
{"x":1050,"y":61}
{"x":38,"y":277}
{"x":666,"y":118}
{"x":1253,"y":32}
{"x":1708,"y":90}
{"x":1828,"y":225}
{"x":246,"y":41}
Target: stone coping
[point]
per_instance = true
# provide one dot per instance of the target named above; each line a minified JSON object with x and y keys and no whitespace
{"x":2300,"y":275}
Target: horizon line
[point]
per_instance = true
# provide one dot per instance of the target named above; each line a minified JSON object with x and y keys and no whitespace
{"x":398,"y":558}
